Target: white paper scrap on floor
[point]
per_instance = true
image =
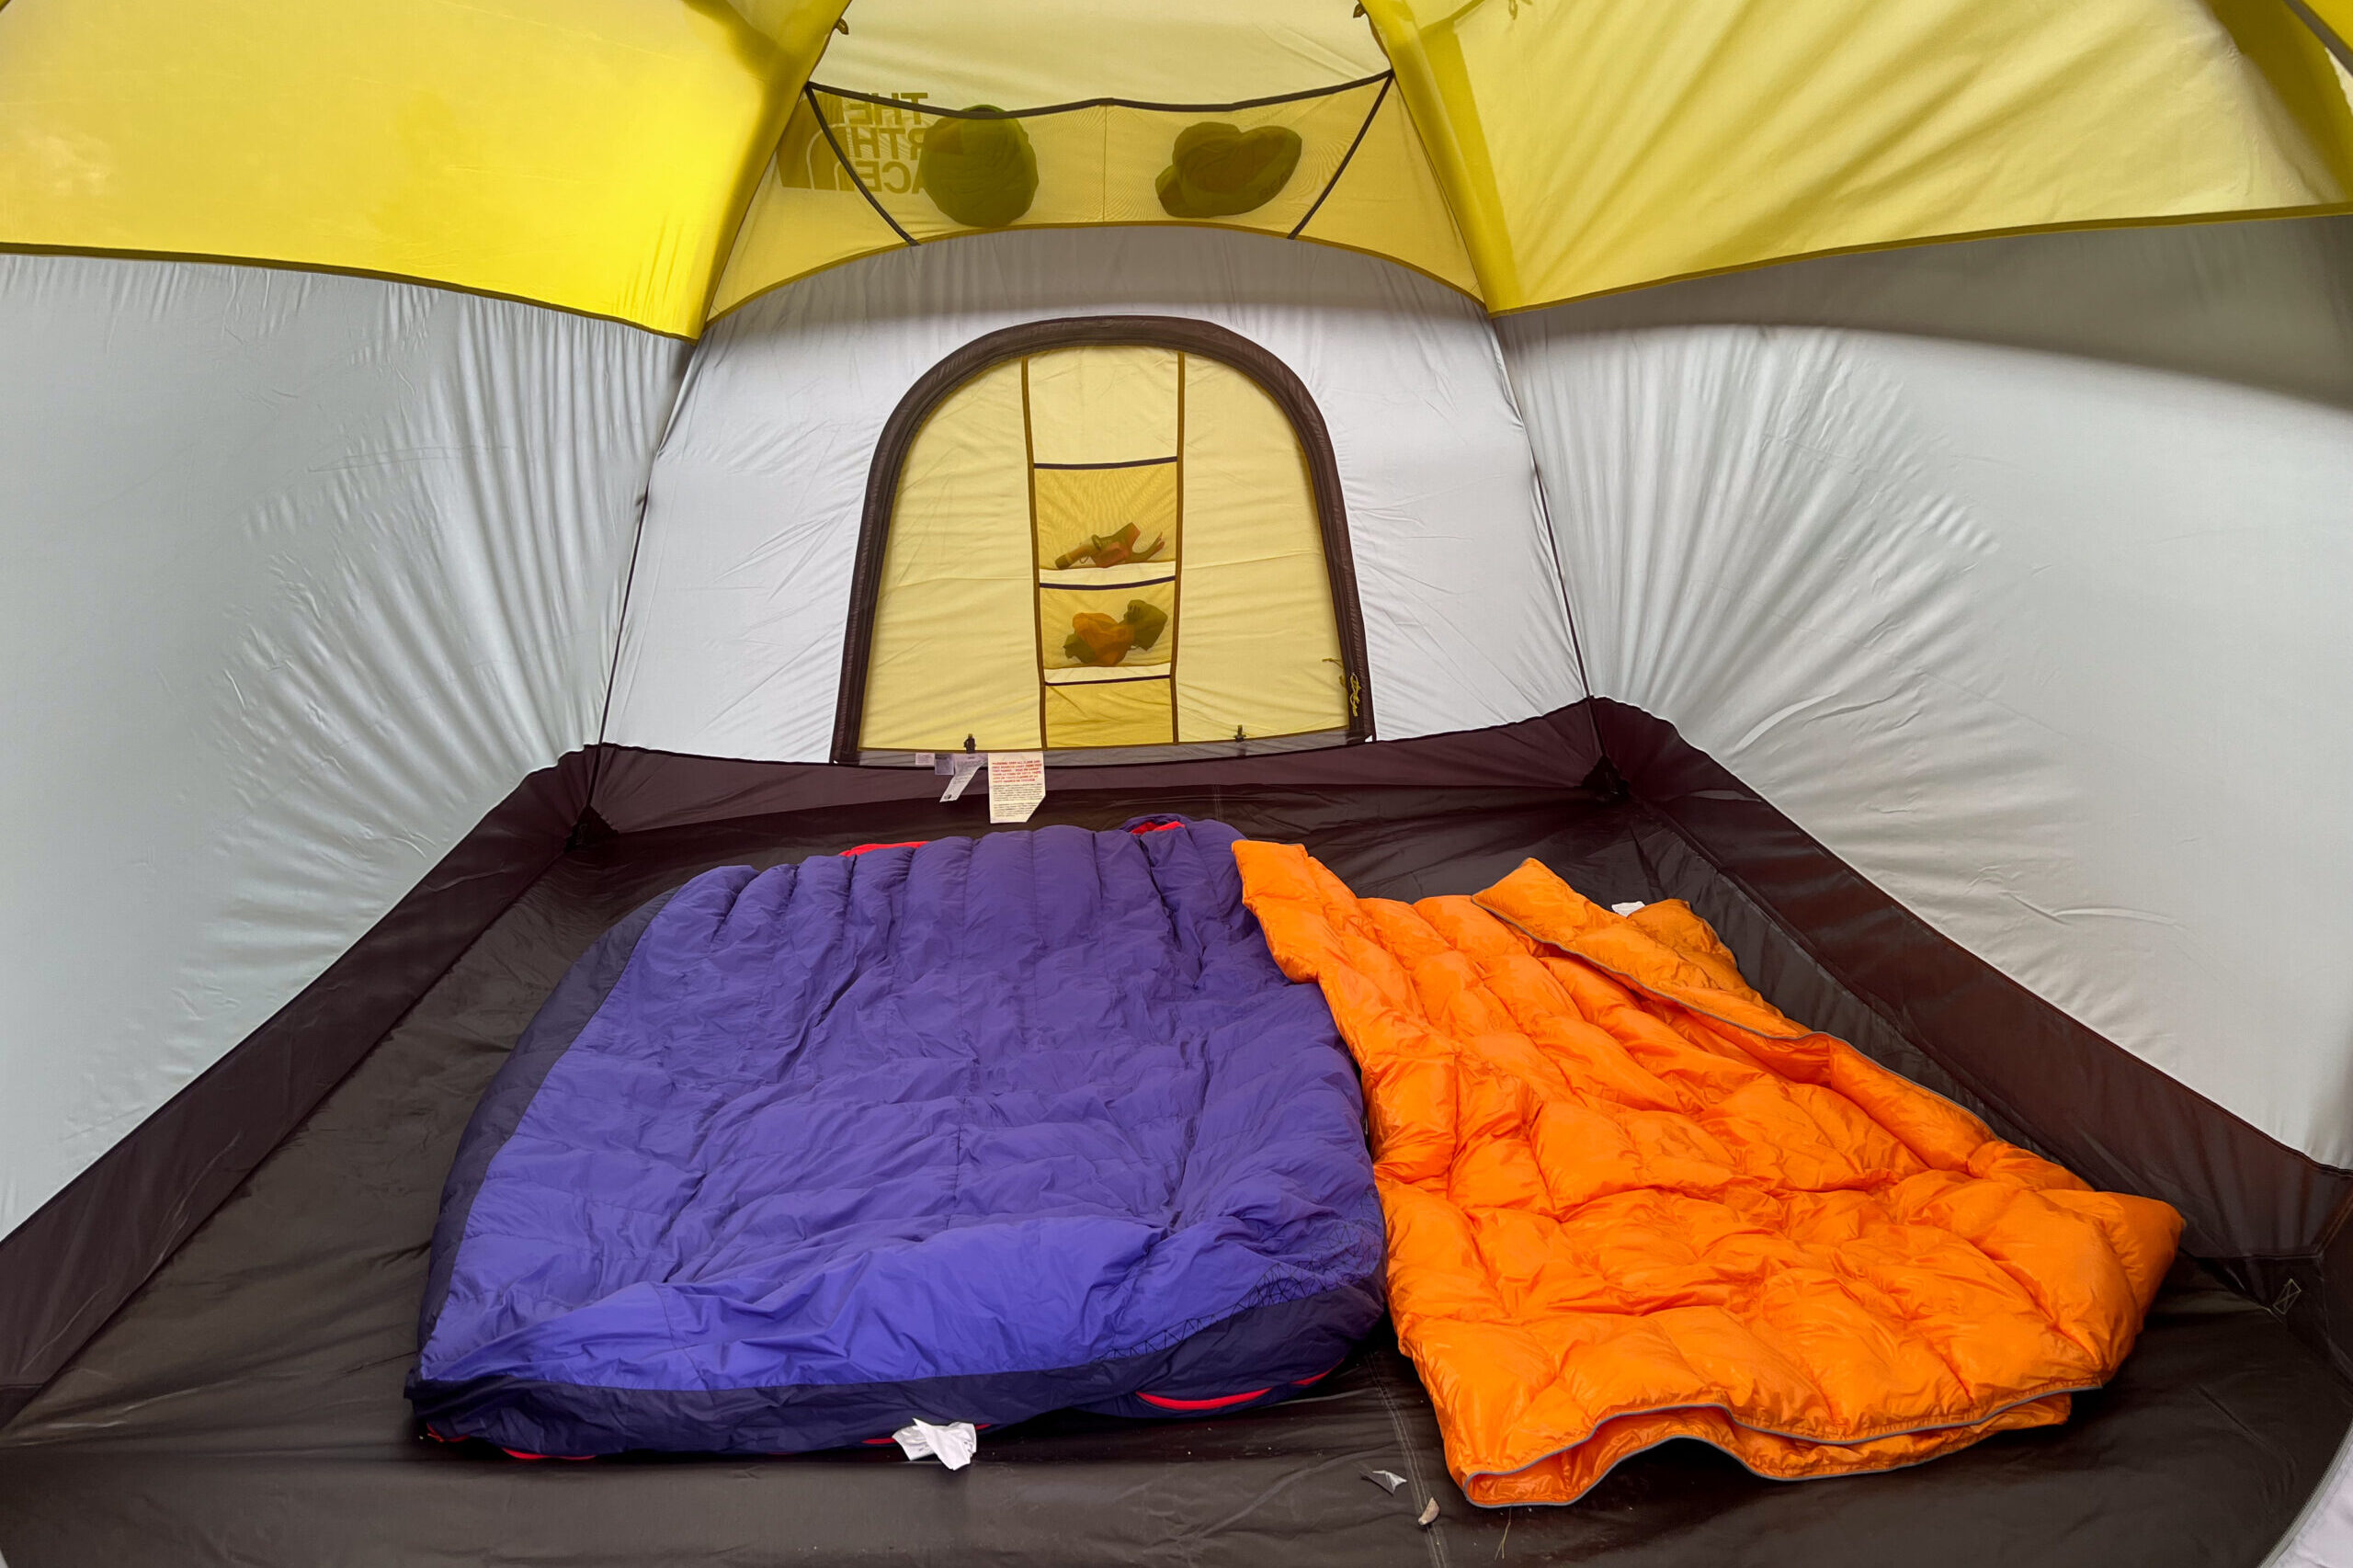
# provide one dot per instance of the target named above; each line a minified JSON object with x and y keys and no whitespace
{"x":953,"y":1445}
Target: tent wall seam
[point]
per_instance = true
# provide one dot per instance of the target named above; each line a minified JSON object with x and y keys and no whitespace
{"x":629,"y":577}
{"x":1552,"y":549}
{"x":1439,"y":108}
{"x":758,"y":161}
{"x":822,"y":20}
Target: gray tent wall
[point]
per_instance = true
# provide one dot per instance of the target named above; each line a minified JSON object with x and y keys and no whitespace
{"x":733,"y":645}
{"x":325,"y":746}
{"x":304,"y":574}
{"x":2009,"y":571}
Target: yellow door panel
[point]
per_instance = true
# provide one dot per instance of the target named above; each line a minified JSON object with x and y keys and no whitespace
{"x":1259,"y":648}
{"x":1159,"y":579}
{"x":954,"y":650}
{"x":1108,"y":713}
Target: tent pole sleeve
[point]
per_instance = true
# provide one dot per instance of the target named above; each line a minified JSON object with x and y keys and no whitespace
{"x":1430,"y":71}
{"x":797,"y":42}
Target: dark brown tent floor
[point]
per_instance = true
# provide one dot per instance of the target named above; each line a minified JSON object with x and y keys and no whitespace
{"x":245,"y":1407}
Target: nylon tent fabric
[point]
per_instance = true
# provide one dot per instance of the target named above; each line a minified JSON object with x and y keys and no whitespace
{"x":1874,"y":510}
{"x":590,"y":157}
{"x":768,"y":458}
{"x":304,"y":573}
{"x":1589,"y":147}
{"x":604,"y":160}
{"x":2254,"y":305}
{"x":1583,"y":150}
{"x":855,"y":172}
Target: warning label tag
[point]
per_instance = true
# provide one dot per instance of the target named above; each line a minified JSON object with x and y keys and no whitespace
{"x":1016,"y":784}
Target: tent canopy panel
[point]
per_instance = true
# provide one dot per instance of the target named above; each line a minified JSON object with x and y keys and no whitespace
{"x":601,"y":156}
{"x":1587,"y":147}
{"x":592,"y":155}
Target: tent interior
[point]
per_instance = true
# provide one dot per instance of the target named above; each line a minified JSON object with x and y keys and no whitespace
{"x":1878,"y":474}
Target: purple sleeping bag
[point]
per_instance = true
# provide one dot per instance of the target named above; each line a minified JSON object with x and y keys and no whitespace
{"x":965,"y":1131}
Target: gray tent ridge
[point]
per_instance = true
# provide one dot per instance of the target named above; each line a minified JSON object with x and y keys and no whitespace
{"x":1879,"y":472}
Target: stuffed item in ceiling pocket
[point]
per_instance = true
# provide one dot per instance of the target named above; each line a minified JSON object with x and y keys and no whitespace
{"x":1216,"y":170}
{"x":982,"y":173}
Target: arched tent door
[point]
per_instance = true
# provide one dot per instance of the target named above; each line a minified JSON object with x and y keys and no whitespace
{"x":1114,"y":538}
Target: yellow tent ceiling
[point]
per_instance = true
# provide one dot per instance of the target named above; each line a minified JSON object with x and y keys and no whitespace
{"x":650,"y":159}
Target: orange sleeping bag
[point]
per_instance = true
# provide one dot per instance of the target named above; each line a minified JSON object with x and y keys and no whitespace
{"x":1627,"y":1200}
